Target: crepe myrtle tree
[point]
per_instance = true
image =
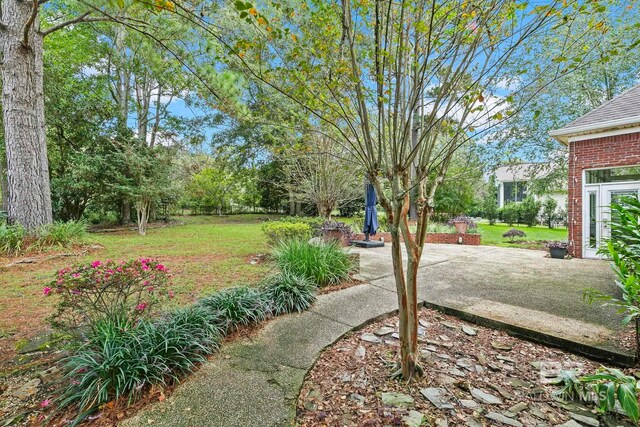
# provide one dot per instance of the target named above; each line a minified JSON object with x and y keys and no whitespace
{"x":403,"y":85}
{"x":22,"y":33}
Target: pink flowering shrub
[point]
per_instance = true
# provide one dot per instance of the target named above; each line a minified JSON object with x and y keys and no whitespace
{"x":127,"y":290}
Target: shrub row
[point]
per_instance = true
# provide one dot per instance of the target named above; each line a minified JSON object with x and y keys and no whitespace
{"x":122,"y":350}
{"x":277,"y":231}
{"x":14,"y":239}
{"x":122,"y":358}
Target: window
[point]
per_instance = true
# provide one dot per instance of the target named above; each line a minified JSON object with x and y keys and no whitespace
{"x":593,"y":230}
{"x":514,"y":191}
{"x":602,"y":176}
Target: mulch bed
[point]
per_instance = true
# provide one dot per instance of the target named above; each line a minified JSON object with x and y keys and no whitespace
{"x":348,"y":383}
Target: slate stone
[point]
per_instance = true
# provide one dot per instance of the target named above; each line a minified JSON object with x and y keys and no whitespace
{"x":370,"y":338}
{"x":536,"y":364}
{"x":399,"y":400}
{"x":537,"y":412}
{"x":383,"y":331}
{"x":41,"y":343}
{"x":424,"y":323}
{"x":517,"y":408}
{"x":518,"y":383}
{"x":471,"y":422}
{"x":49,"y":374}
{"x":469,"y":403}
{"x":440,"y":422}
{"x":485,"y":397}
{"x":413,"y":419}
{"x":583,"y":419}
{"x":503,"y":392}
{"x":449,"y":325}
{"x":505,"y":359}
{"x":499,"y":345}
{"x":27,"y":389}
{"x":465,"y":363}
{"x":446,"y":379}
{"x":469,"y":330}
{"x":361,"y":352}
{"x":570,"y":423}
{"x":457,"y":372}
{"x":495,"y":416}
{"x":437,"y":397}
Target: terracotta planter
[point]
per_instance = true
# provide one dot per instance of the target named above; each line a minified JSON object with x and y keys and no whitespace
{"x":335,"y":235}
{"x":461,"y":226}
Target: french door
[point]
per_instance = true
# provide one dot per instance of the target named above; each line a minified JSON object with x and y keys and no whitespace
{"x":597,"y":213}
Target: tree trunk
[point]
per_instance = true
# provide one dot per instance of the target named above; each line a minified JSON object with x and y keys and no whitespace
{"x":142,"y":209}
{"x":29,"y":190}
{"x":406,"y":287}
{"x":125,"y":212}
{"x":4,"y":186}
{"x":292,"y":204}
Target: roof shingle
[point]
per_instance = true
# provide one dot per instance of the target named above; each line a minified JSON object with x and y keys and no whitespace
{"x":625,"y":106}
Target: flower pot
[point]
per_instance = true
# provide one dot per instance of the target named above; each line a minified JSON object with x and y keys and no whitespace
{"x":461,"y":226}
{"x":332,"y":235}
{"x":558,"y":253}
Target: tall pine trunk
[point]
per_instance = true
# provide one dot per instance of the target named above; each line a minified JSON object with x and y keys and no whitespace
{"x":29,"y":190}
{"x":4,"y":186}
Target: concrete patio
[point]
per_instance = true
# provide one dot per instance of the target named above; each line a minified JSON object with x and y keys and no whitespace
{"x":516,"y":286}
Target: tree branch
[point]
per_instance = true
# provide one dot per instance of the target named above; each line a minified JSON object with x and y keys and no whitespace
{"x":80,"y":19}
{"x":29,"y":24}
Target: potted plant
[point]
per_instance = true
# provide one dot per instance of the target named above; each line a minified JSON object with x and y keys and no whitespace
{"x":462,"y":223}
{"x":557,"y":250}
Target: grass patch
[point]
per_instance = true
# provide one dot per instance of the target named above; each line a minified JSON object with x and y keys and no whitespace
{"x":535,"y":239}
{"x":205,"y":254}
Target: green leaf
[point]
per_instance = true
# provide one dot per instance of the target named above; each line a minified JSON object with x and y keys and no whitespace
{"x":629,"y":400}
{"x":240,"y":5}
{"x":610,"y":395}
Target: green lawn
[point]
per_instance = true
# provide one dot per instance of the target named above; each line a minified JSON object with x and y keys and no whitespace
{"x":536,"y":236}
{"x":204,"y":254}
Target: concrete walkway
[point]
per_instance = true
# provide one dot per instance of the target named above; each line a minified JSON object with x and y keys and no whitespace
{"x":256,"y":382}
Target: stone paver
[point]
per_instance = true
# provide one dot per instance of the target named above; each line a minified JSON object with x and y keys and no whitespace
{"x":256,"y":381}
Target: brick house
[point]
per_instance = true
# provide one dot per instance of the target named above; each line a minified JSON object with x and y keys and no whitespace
{"x":604,"y":165}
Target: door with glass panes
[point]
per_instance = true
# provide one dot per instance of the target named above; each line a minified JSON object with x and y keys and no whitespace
{"x":603,"y":187}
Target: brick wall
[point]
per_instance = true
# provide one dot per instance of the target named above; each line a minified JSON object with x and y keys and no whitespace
{"x":611,"y":151}
{"x":449,"y":238}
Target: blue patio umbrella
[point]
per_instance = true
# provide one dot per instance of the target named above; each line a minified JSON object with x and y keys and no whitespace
{"x":370,"y":213}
